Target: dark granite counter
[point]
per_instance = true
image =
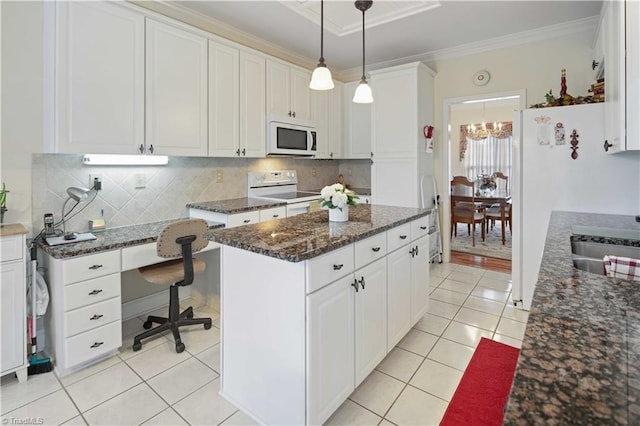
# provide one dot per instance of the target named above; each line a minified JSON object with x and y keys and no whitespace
{"x":306,"y":236}
{"x":235,"y":205}
{"x":580,"y":357}
{"x":112,"y":239}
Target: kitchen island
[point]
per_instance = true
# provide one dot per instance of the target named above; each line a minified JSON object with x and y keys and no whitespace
{"x":309,"y":307}
{"x":580,"y":357}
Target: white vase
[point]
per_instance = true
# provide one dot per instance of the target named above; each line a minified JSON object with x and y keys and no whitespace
{"x":337,"y":215}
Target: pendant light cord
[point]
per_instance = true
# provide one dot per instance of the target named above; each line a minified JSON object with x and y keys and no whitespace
{"x":322,"y":31}
{"x":363,"y":77}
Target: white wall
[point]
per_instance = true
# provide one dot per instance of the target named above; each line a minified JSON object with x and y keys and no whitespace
{"x":22,"y":129}
{"x":533,"y":66}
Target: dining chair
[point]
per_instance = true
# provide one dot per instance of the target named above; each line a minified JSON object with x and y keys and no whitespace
{"x":493,"y":211}
{"x":464,"y":208}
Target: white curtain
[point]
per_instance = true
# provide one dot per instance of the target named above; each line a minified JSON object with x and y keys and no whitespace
{"x":487,"y":156}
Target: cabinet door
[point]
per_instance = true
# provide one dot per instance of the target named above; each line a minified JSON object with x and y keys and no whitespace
{"x":99,"y":78}
{"x":330,"y":349}
{"x":13,"y":345}
{"x":614,"y":66}
{"x":253,"y":118}
{"x":385,"y":175}
{"x":357,"y":125}
{"x":371,"y":318}
{"x":398,"y":295}
{"x":395,"y":131}
{"x":224,"y":100}
{"x":278,"y":89}
{"x":176,"y":91}
{"x":632,"y":42}
{"x":419,"y":279}
{"x":335,"y":132}
{"x":300,"y":96}
{"x":320,"y":100}
{"x":245,"y":218}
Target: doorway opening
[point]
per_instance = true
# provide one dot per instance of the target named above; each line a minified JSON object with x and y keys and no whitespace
{"x":477,"y":116}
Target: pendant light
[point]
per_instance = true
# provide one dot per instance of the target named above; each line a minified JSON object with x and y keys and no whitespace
{"x":363,"y":91}
{"x":321,"y":77}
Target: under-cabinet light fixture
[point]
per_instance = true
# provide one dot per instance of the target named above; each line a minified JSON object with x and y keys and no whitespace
{"x":124,"y":160}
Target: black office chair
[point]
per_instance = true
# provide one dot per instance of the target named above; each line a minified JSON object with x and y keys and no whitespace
{"x":178,"y":241}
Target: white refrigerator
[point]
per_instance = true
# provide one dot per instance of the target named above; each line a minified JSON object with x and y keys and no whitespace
{"x":547,"y":178}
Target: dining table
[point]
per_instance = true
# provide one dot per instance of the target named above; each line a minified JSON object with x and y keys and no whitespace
{"x":490,"y":199}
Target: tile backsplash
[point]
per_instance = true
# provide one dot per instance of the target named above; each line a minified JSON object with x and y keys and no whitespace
{"x":167,"y":188}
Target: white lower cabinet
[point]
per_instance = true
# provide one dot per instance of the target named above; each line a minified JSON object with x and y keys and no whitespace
{"x":419,"y":278}
{"x":398,"y":295}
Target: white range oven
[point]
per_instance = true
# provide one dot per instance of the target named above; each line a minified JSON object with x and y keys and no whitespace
{"x":280,"y":185}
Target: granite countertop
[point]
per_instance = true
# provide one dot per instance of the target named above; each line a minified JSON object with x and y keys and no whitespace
{"x":235,"y":205}
{"x":580,"y":357}
{"x":114,"y":238}
{"x":9,"y":229}
{"x":303,"y":237}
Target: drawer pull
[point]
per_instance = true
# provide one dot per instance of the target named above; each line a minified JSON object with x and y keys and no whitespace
{"x":276,"y":215}
{"x":94,"y":267}
{"x":94,"y":292}
{"x":96,"y":345}
{"x":355,"y":284}
{"x":375,"y":249}
{"x":403,"y":237}
{"x":247,"y":220}
{"x":362,"y":282}
{"x":423,"y":227}
{"x":337,"y":267}
{"x":96,"y":317}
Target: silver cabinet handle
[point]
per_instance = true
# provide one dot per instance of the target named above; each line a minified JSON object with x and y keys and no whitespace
{"x":238,"y":152}
{"x":141,"y":149}
{"x":423,"y":227}
{"x":337,"y":267}
{"x":94,"y":267}
{"x":247,"y":220}
{"x":375,"y":249}
{"x":607,"y":145}
{"x":96,"y":345}
{"x":150,"y":149}
{"x":244,"y":152}
{"x":96,"y":317}
{"x":362,"y":282}
{"x":294,"y":114}
{"x":289,"y":113}
{"x":403,"y":237}
{"x":94,"y":292}
{"x":355,"y":284}
{"x":276,"y":215}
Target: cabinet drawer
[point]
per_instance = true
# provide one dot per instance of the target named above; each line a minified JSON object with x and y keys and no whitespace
{"x":274,"y":213}
{"x":135,"y":257}
{"x":398,"y":237}
{"x":92,"y":291}
{"x":420,"y":227}
{"x":328,"y":268}
{"x":245,"y":218}
{"x":92,"y":316}
{"x":91,"y":266}
{"x":11,"y":247}
{"x":366,"y":251}
{"x":92,"y":344}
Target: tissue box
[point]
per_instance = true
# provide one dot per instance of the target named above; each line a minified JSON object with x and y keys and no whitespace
{"x":97,"y":225}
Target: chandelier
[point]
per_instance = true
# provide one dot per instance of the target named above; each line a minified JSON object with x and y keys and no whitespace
{"x":482,"y":131}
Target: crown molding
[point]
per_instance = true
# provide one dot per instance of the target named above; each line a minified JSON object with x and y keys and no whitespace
{"x":173,"y":9}
{"x":539,"y":34}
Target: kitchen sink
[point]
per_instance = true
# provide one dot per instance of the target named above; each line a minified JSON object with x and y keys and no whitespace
{"x":587,"y":255}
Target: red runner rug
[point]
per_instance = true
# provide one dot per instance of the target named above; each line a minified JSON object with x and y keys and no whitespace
{"x":485,"y":385}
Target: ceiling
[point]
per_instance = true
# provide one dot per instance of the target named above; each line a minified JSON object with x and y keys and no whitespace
{"x":397,"y":31}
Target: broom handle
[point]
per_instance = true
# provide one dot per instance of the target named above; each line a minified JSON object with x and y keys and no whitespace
{"x":34,"y":262}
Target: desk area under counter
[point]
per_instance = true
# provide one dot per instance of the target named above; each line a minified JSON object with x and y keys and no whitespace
{"x":310,"y":307}
{"x":85,"y":316}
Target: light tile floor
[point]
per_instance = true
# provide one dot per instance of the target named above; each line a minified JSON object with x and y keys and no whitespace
{"x":157,"y":386}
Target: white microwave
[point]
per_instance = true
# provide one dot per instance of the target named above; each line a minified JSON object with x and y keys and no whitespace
{"x":291,"y":139}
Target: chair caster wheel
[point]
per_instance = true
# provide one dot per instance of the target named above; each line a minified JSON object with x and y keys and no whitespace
{"x":180,"y":347}
{"x":207,"y":326}
{"x":147,"y":325}
{"x":137,"y":346}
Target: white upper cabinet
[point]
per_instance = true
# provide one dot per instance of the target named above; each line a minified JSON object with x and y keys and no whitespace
{"x":326,"y":113}
{"x":176,"y":91}
{"x":99,"y":79}
{"x":237,"y":119}
{"x":224,"y":100}
{"x":288,"y":91}
{"x":253,"y":117}
{"x":621,"y":45}
{"x":357,"y":125}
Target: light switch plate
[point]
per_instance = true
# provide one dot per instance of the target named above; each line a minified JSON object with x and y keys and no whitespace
{"x":140,"y":180}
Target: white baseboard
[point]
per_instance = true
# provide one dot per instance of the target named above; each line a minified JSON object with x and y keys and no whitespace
{"x":150,"y":303}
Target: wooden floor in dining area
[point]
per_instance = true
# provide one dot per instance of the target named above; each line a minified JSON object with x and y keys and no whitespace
{"x":490,"y":263}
